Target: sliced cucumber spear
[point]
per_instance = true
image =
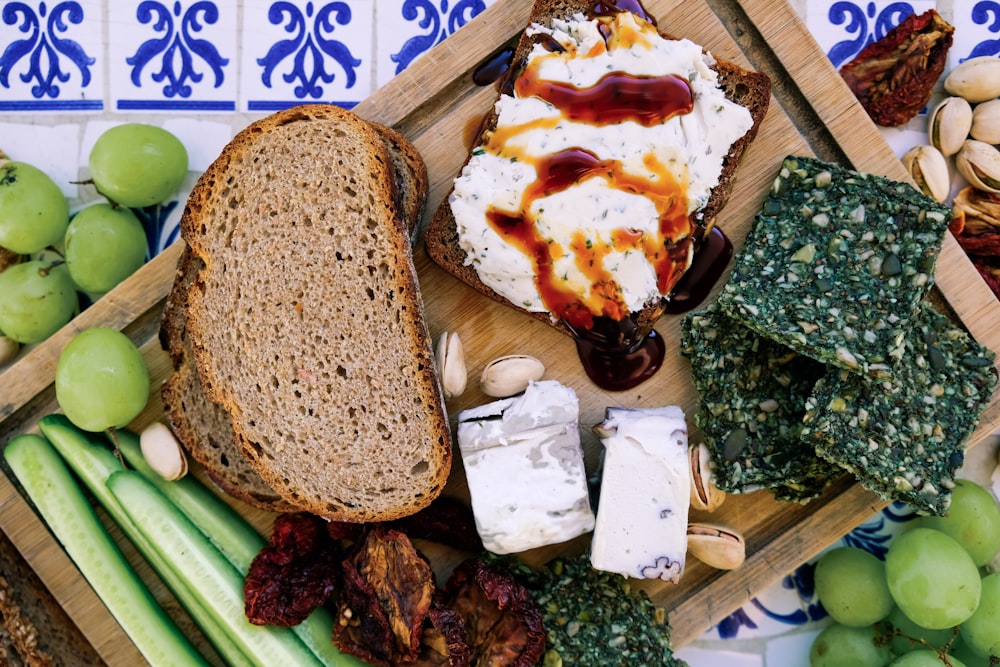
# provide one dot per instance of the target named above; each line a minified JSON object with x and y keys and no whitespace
{"x":206,"y":571}
{"x":92,"y":461}
{"x":62,"y":504}
{"x":238,"y":541}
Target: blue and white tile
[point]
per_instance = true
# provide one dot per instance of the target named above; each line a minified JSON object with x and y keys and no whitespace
{"x":52,"y":148}
{"x":51,"y":56}
{"x":408,"y":29}
{"x":297,"y":52}
{"x":174,"y":55}
{"x":845,"y":27}
{"x":977,"y":22}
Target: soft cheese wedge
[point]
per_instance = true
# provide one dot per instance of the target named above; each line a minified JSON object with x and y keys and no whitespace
{"x":641,"y":528}
{"x":524,"y":465}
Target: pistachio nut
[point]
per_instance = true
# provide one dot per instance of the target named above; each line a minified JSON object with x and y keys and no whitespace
{"x":705,"y":495}
{"x":717,"y":546}
{"x":8,"y":350}
{"x":976,"y":79}
{"x":949,"y":124}
{"x":986,"y":122}
{"x":450,"y":359}
{"x":162,"y":451}
{"x":976,"y":212}
{"x":979,"y":163}
{"x":510,"y":375}
{"x":929,"y":170}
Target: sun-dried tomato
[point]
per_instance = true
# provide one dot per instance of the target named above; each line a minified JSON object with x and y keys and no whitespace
{"x":385,"y":597}
{"x":295,"y":574}
{"x":894,"y":77}
{"x":443,"y":642}
{"x":503,"y":623}
{"x":446,"y":521}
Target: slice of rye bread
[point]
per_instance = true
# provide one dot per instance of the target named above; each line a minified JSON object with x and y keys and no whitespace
{"x":747,"y":88}
{"x":306,"y":322}
{"x":203,"y":426}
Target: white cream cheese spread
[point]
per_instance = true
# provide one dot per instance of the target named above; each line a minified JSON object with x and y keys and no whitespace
{"x":580,"y":198}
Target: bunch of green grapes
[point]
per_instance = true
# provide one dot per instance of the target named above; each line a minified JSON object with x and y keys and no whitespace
{"x":931,"y":602}
{"x":59,"y":256}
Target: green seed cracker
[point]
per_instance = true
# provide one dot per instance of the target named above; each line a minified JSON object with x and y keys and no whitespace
{"x":904,"y":436}
{"x":836,"y":264}
{"x":752,"y":399}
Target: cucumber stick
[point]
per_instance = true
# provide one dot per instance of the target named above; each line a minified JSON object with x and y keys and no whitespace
{"x":238,"y":541}
{"x":61,"y":502}
{"x":206,"y":570}
{"x":93,"y":462}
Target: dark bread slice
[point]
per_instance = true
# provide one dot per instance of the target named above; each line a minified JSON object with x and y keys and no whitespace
{"x":747,"y":88}
{"x":35,"y":630}
{"x":204,"y":427}
{"x":306,"y":322}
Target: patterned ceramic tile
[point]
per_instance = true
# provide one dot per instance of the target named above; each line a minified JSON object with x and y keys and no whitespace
{"x":977,"y":27}
{"x":173,"y":55}
{"x":407,"y":29}
{"x":296,"y":52}
{"x":845,"y":27}
{"x":51,"y":56}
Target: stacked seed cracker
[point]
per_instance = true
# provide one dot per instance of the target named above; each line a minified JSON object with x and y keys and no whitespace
{"x":822,"y":353}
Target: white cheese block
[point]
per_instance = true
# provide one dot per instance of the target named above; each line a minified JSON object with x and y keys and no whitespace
{"x":524,"y":466}
{"x":642,"y":515}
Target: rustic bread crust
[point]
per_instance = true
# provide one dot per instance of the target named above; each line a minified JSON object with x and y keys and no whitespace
{"x":205,"y":428}
{"x":745,"y":87}
{"x":339,"y":201}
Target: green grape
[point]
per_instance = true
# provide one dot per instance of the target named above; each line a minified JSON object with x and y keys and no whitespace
{"x":137,"y":165}
{"x":851,"y":586}
{"x":33,"y":210}
{"x":101,"y":380}
{"x":932,"y":578}
{"x":911,"y":631}
{"x":973,"y":520}
{"x":843,"y":646}
{"x":968,"y":655}
{"x":925,"y":658}
{"x":36,"y":299}
{"x":104,"y":246}
{"x":982,"y":630}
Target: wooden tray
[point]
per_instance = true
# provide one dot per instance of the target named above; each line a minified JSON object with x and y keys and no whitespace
{"x":434,"y":103}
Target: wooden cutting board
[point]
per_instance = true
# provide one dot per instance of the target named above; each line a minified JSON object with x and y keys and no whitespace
{"x":434,"y":103}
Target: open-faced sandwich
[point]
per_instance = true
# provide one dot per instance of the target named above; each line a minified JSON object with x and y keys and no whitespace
{"x":609,"y":152}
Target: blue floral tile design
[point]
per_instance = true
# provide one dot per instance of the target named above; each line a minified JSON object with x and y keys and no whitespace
{"x":978,"y":22}
{"x":174,"y":56}
{"x":843,"y":28}
{"x":299,"y":52}
{"x":50,"y":56}
{"x":408,"y":30}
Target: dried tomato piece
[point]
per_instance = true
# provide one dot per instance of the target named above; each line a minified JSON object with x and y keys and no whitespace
{"x":443,"y":641}
{"x":385,"y":596}
{"x":446,"y":521}
{"x":295,"y":574}
{"x":894,"y":77}
{"x":503,"y":623}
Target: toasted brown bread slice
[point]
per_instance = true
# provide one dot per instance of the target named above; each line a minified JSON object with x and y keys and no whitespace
{"x":747,"y":88}
{"x":306,"y":322}
{"x":204,"y":427}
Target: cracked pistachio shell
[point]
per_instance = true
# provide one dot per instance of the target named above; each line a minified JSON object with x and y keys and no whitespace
{"x":976,"y":79}
{"x":929,"y":170}
{"x":162,"y":451}
{"x":705,"y":495}
{"x":717,"y":546}
{"x":949,"y":125}
{"x":510,"y":375}
{"x":986,"y":122}
{"x":450,"y":358}
{"x":979,"y":163}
